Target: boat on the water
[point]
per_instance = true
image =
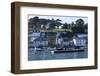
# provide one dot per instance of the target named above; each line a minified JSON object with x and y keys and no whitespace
{"x":65,"y":50}
{"x":69,"y":50}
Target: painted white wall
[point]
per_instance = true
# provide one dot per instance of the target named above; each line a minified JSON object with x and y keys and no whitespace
{"x":5,"y":42}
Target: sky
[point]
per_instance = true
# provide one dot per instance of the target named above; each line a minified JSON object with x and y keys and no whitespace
{"x":67,"y":19}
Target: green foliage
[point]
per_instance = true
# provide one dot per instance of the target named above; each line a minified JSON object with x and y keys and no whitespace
{"x":36,"y":24}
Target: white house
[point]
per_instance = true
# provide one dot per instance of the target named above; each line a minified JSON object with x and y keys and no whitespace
{"x":66,"y":42}
{"x":40,"y":42}
{"x":80,"y":41}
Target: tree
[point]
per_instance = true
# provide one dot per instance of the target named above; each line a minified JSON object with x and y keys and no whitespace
{"x":58,"y":22}
{"x":52,"y":24}
{"x":79,"y":26}
{"x":65,"y":26}
{"x":86,"y":27}
{"x":33,"y":23}
{"x":80,"y":22}
{"x":72,"y":24}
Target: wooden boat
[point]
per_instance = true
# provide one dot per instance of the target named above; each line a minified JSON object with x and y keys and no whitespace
{"x":69,"y":50}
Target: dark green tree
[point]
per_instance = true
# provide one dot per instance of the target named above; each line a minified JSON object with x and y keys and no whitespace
{"x":86,"y":28}
{"x":65,"y":26}
{"x":79,"y":26}
{"x":80,"y":22}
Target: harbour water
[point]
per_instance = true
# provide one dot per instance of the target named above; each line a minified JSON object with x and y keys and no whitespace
{"x":48,"y":55}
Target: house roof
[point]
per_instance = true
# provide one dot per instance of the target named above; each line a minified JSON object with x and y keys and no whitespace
{"x":65,"y":39}
{"x":81,"y":38}
{"x":40,"y":39}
